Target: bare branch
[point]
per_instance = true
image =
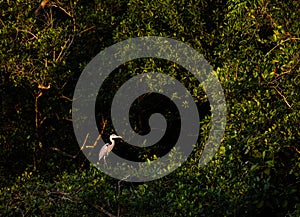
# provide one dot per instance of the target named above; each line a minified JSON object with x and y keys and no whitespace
{"x":37,"y":109}
{"x":284,"y":98}
{"x":26,"y":31}
{"x":104,"y":122}
{"x":85,"y":30}
{"x":1,"y":21}
{"x":289,"y":39}
{"x":119,"y":192}
{"x":62,"y":152}
{"x":62,"y":50}
{"x":101,"y":209}
{"x":67,"y":98}
{"x":69,"y":155}
{"x":62,"y":9}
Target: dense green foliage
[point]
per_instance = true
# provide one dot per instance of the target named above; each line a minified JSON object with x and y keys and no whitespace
{"x":254,"y":49}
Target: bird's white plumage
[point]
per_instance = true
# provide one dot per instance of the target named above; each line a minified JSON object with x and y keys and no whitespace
{"x":104,"y":151}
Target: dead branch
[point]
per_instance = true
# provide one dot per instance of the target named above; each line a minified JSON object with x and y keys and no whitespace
{"x":67,"y":98}
{"x":65,"y":48}
{"x":101,"y":209}
{"x":37,"y":109}
{"x":104,"y":122}
{"x":289,"y":39}
{"x":26,"y":31}
{"x":69,"y":155}
{"x":62,"y":9}
{"x":85,"y":30}
{"x":119,"y":192}
{"x":1,"y":21}
{"x":96,"y":141}
{"x":83,"y":145}
{"x":284,"y":98}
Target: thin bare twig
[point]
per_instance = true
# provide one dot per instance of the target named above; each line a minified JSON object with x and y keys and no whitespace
{"x":62,"y":9}
{"x":69,"y":155}
{"x":62,"y":50}
{"x":57,"y":192}
{"x":26,"y":31}
{"x":86,"y":137}
{"x":119,"y":192}
{"x":83,"y":145}
{"x":284,"y":98}
{"x":68,"y":196}
{"x":37,"y":109}
{"x":104,"y":122}
{"x":85,"y":30}
{"x":70,"y":40}
{"x":1,"y":21}
{"x":101,"y":209}
{"x":289,"y":39}
{"x":67,"y":98}
{"x":96,"y":141}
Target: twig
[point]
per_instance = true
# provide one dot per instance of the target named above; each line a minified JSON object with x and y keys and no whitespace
{"x":57,"y":192}
{"x":66,"y":198}
{"x":1,"y":21}
{"x":67,"y":98}
{"x":96,"y":141}
{"x":289,"y":39}
{"x":86,"y":137}
{"x":26,"y":31}
{"x":85,"y":30}
{"x":64,"y":10}
{"x":119,"y":192}
{"x":83,"y":145}
{"x":71,"y":38}
{"x":284,"y":98}
{"x":100,"y":135}
{"x":62,"y":50}
{"x":101,"y":209}
{"x":69,"y":155}
{"x":62,"y":152}
{"x":65,"y":48}
{"x":37,"y":109}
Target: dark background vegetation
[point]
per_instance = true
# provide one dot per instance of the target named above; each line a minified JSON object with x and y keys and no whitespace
{"x":254,"y":49}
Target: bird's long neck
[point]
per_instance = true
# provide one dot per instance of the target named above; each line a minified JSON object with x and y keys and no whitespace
{"x":112,"y":143}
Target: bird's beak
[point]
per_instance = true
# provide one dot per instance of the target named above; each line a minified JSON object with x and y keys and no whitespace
{"x":120,"y":137}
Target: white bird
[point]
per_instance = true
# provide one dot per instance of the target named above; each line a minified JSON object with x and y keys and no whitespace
{"x":104,"y":151}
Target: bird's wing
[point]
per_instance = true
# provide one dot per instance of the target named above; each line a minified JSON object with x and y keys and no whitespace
{"x":103,"y":151}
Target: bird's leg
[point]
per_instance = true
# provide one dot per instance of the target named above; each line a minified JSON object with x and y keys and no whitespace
{"x":104,"y":159}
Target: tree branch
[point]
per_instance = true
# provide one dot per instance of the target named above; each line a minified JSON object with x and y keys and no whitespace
{"x":69,"y":155}
{"x":101,"y":209}
{"x":284,"y":98}
{"x":289,"y":39}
